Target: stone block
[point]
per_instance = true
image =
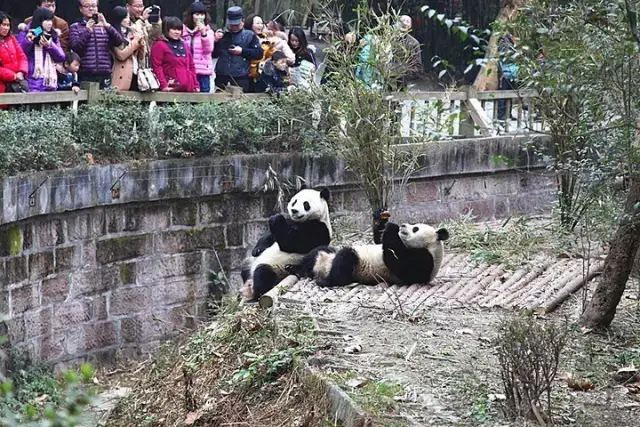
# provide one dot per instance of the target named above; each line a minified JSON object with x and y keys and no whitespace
{"x":86,"y":226}
{"x":48,"y":233}
{"x":52,"y":347}
{"x":128,"y":273}
{"x":27,"y":237}
{"x":235,"y":235}
{"x":38,"y":322}
{"x":101,"y":307}
{"x":55,"y":289}
{"x":156,"y":270}
{"x":94,"y":281}
{"x":73,"y":313}
{"x":482,"y":210}
{"x":356,"y":200}
{"x":121,"y":248}
{"x":15,"y":329}
{"x":502,"y":209}
{"x":185,"y":213}
{"x":24,"y":298}
{"x":113,"y":220}
{"x":422,"y":191}
{"x":171,"y":242}
{"x":128,"y":301}
{"x":160,"y":324}
{"x":254,"y":230}
{"x":147,"y":218}
{"x":231,"y":208}
{"x":230,"y":259}
{"x":100,"y":335}
{"x":89,"y":254}
{"x":66,"y":258}
{"x":41,"y":265}
{"x":178,"y":290}
{"x":74,"y":341}
{"x":11,"y":240}
{"x":5,"y":310}
{"x":16,"y":269}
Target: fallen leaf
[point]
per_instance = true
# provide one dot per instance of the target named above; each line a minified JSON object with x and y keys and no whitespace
{"x":464,"y":331}
{"x":90,"y":159}
{"x":192,"y":417}
{"x":580,"y":385}
{"x":633,"y":388}
{"x":357,"y":382}
{"x":626,"y":374}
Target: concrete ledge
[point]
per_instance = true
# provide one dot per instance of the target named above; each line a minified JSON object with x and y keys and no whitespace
{"x":59,"y":191}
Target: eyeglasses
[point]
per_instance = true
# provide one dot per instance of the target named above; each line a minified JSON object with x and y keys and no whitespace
{"x":90,"y":6}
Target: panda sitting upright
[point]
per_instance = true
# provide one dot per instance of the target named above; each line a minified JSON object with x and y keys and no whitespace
{"x":411,"y":253}
{"x":289,"y":239}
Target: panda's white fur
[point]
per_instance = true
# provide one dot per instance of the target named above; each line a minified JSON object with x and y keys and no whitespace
{"x":370,"y":267}
{"x":306,"y":205}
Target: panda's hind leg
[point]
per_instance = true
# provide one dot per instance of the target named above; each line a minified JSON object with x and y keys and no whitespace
{"x":264,"y":279}
{"x":342,"y":269}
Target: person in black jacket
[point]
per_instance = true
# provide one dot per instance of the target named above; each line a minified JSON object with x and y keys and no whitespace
{"x":235,"y":48}
{"x":274,"y":77}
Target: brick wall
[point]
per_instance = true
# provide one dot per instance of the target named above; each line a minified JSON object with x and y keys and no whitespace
{"x":87,"y":274}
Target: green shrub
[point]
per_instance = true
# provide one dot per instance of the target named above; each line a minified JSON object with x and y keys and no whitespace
{"x":117,"y":130}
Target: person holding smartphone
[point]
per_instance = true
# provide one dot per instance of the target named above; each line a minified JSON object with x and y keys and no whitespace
{"x":58,"y":23}
{"x":92,"y":38}
{"x":147,"y":21}
{"x":41,"y":43}
{"x":172,"y":60}
{"x":235,"y":48}
{"x":199,"y":38}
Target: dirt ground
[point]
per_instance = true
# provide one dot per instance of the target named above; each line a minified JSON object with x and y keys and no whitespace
{"x":443,"y":371}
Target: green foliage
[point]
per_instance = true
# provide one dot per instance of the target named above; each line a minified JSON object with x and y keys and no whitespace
{"x":117,"y":129}
{"x":589,"y":93}
{"x":375,"y":396}
{"x":34,"y":397}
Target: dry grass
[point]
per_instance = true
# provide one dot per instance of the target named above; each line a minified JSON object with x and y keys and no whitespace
{"x":240,"y":371}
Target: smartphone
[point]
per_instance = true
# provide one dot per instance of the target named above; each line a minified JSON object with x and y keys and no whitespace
{"x":95,"y":18}
{"x":37,"y":31}
{"x":200,"y":20}
{"x":155,"y":14}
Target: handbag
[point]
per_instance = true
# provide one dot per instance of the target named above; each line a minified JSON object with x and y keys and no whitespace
{"x":147,"y":80}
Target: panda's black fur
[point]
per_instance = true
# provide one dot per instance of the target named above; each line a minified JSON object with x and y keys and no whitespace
{"x":408,"y":254}
{"x":289,"y":239}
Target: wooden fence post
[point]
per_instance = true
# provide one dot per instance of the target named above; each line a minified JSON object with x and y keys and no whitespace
{"x":93,"y":91}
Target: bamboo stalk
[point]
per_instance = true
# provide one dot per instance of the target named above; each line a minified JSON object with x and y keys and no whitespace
{"x":270,"y":299}
{"x":569,"y":289}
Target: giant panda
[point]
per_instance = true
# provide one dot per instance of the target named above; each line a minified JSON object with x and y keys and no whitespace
{"x":410,"y":253}
{"x":307,"y":227}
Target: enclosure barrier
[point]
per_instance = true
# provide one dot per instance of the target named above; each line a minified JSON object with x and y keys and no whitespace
{"x":440,"y":115}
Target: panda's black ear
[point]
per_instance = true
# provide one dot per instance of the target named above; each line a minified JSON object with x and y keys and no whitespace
{"x":303,"y":186}
{"x":443,"y":234}
{"x":325,"y":194}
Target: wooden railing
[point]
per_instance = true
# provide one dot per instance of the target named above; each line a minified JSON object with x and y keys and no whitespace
{"x":445,"y":115}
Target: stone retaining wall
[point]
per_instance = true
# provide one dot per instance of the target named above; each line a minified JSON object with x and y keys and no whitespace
{"x":94,"y":260}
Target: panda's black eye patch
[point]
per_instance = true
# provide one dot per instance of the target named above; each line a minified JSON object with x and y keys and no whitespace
{"x":294,"y":203}
{"x":307,"y":206}
{"x":415,"y":229}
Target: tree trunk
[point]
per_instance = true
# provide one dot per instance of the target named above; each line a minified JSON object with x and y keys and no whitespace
{"x":617,"y":265}
{"x":487,"y":78}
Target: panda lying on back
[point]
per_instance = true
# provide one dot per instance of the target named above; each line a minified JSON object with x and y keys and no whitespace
{"x":307,"y":227}
{"x":411,"y":253}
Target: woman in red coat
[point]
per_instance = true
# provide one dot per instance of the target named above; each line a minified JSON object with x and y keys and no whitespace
{"x":172,"y":61}
{"x":14,"y":66}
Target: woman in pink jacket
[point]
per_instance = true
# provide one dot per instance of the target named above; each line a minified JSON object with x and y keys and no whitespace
{"x":199,"y":38}
{"x":172,"y":60}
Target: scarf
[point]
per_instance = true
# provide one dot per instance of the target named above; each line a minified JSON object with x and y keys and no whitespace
{"x":44,"y":68}
{"x":177,"y":47}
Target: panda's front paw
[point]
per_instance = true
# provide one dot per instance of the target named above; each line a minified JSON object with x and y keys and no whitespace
{"x":277,"y":222}
{"x":392,"y":227}
{"x":292,"y":269}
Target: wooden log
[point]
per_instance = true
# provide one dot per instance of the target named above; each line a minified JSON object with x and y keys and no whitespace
{"x":569,"y":289}
{"x":270,"y":299}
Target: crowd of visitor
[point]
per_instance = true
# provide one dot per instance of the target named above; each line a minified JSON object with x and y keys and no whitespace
{"x":136,"y":48}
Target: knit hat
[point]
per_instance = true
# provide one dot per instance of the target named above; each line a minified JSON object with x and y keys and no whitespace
{"x":197,"y":7}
